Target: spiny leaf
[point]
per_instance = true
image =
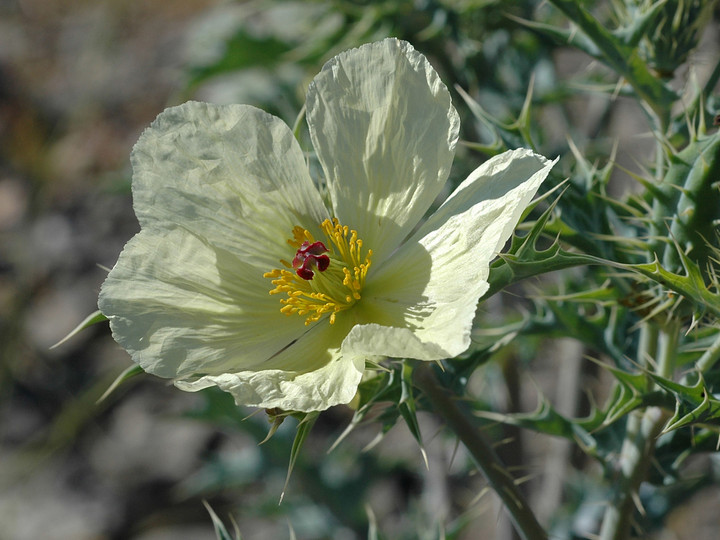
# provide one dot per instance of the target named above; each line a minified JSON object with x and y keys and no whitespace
{"x":524,"y":259}
{"x":600,"y":330}
{"x":639,"y":24}
{"x":497,"y":145}
{"x":636,"y":381}
{"x":603,"y":295}
{"x":623,"y":58}
{"x":630,"y":392}
{"x":276,"y":417}
{"x":601,"y":327}
{"x":666,"y":194}
{"x":383,"y":387}
{"x":128,"y":373}
{"x":406,"y":406}
{"x":303,"y":430}
{"x":622,"y":400}
{"x":694,"y":403}
{"x":505,"y":135}
{"x":220,"y":529}
{"x":693,"y":117}
{"x":94,"y":318}
{"x":686,"y":205}
{"x":594,"y":178}
{"x":697,"y":440}
{"x":691,"y":285}
{"x":563,"y":36}
{"x":513,"y":269}
{"x":395,"y":386}
{"x":545,"y":419}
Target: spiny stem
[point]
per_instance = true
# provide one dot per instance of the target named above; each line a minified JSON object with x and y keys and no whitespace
{"x":457,"y":419}
{"x":638,"y":446}
{"x":641,"y":431}
{"x":710,"y":356}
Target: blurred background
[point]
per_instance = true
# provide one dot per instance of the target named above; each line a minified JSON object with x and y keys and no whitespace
{"x":79,"y":81}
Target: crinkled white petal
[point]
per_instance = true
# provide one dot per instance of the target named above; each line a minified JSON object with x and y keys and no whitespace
{"x":180,"y":307}
{"x":233,"y":175}
{"x":385,"y":131}
{"x":335,"y":382}
{"x":217,"y":191}
{"x":394,"y":342}
{"x":193,"y":313}
{"x":427,"y":293}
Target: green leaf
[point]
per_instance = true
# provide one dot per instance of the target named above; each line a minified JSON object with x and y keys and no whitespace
{"x":697,"y":114}
{"x":505,"y":135}
{"x":640,"y":22}
{"x":694,"y":403}
{"x":545,"y":419}
{"x":303,"y":430}
{"x":385,"y":386}
{"x":677,"y":446}
{"x":127,"y":374}
{"x":602,"y":327}
{"x":395,"y":387}
{"x":220,"y":529}
{"x":604,"y":330}
{"x":563,"y":36}
{"x":406,"y":406}
{"x":524,"y":259}
{"x":94,"y":318}
{"x":623,"y":58}
{"x":372,"y":523}
{"x":630,"y":392}
{"x":624,"y":398}
{"x":691,"y":285}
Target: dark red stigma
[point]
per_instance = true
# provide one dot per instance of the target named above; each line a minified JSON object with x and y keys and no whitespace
{"x":310,"y":256}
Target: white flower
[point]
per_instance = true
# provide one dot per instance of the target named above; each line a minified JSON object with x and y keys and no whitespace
{"x":242,"y":277}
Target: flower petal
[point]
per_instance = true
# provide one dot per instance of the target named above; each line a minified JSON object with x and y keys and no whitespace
{"x":186,"y":311}
{"x":217,"y":191}
{"x":427,"y":293}
{"x":385,"y":130}
{"x":234,"y":175}
{"x":333,"y":383}
{"x":181,"y":307}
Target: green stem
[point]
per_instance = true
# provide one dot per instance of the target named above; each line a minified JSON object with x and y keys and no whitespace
{"x":457,"y":419}
{"x":667,"y":349}
{"x":641,"y":432}
{"x":710,"y":356}
{"x":639,"y":444}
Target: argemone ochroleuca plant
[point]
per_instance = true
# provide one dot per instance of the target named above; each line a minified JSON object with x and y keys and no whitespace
{"x":247,"y":276}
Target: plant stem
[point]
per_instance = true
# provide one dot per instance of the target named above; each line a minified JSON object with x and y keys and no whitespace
{"x":709,"y":357}
{"x":642,"y":430}
{"x":485,"y":457}
{"x":638,"y":446}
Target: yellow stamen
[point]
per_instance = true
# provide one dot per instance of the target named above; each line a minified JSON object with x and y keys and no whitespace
{"x":332,"y":290}
{"x":300,"y":235}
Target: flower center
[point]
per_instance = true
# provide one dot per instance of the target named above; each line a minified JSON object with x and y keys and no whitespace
{"x":328,"y":276}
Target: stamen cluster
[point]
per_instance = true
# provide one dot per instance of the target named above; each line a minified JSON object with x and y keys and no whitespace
{"x":328,"y":276}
